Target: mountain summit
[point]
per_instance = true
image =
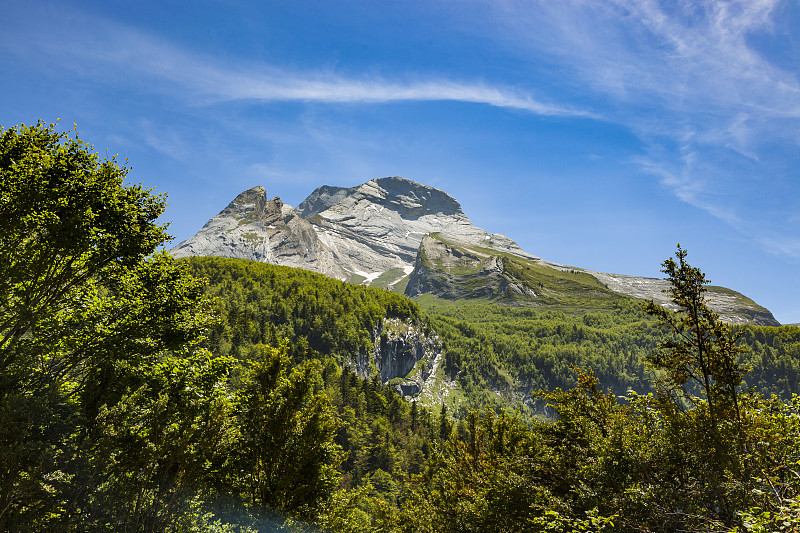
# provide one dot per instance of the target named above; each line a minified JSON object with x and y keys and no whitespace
{"x":402,"y":235}
{"x":360,"y":234}
{"x":409,"y":199}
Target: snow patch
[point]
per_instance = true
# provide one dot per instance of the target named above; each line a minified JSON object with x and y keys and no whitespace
{"x":370,"y":277}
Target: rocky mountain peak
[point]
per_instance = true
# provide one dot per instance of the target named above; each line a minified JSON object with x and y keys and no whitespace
{"x":378,"y":233}
{"x":369,"y":233}
{"x":409,"y":199}
{"x":321,"y":199}
{"x":251,"y":200}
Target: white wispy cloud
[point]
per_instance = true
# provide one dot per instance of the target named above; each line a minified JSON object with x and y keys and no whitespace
{"x":685,"y":57}
{"x":685,"y":77}
{"x":665,"y":68}
{"x":97,"y":47}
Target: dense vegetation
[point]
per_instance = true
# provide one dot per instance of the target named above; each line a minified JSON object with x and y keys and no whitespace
{"x":133,"y":398}
{"x":259,"y":303}
{"x":509,"y":349}
{"x":490,"y":348}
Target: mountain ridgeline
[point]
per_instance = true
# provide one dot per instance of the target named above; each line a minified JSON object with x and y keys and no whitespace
{"x":411,"y":238}
{"x":496,"y":323}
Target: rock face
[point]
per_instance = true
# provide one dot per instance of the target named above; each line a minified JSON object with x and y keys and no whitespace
{"x":378,"y":226}
{"x":399,"y":346}
{"x":392,"y":231}
{"x":732,"y":307}
{"x":355,"y":234}
{"x":454,"y":272}
{"x":252,"y":227}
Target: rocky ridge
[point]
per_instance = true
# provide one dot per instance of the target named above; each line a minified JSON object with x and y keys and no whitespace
{"x":252,"y":227}
{"x":354,"y":234}
{"x":733,"y":307}
{"x":391,"y":231}
{"x":456,"y":270}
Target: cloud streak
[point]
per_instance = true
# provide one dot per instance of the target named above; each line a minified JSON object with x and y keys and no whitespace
{"x":133,"y":55}
{"x":691,"y":79}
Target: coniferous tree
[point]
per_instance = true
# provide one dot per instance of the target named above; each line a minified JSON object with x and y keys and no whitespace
{"x":698,"y":392}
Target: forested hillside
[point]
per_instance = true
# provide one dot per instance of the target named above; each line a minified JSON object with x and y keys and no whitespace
{"x":498,"y":355}
{"x":501,"y":357}
{"x":140,"y":393}
{"x":259,"y":303}
{"x":512,"y":352}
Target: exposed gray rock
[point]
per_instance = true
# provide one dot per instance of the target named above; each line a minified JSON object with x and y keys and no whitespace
{"x":453,"y":273}
{"x":321,"y":199}
{"x":377,"y":231}
{"x":252,"y":227}
{"x":354,"y":234}
{"x":408,"y":389}
{"x":732,"y":307}
{"x":379,"y":225}
{"x":402,"y":349}
{"x":238,"y":231}
{"x":399,"y":346}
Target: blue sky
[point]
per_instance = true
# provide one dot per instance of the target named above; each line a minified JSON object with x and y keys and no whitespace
{"x":595,"y":134}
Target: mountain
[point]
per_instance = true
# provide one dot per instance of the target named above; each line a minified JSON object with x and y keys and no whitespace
{"x":455,"y":270}
{"x":399,"y":234}
{"x":367,"y":234}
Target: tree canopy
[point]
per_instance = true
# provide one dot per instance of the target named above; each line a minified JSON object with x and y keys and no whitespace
{"x":93,"y":319}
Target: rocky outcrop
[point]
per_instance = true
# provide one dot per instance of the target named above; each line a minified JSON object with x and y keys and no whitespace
{"x":399,"y":346}
{"x":453,"y":273}
{"x":391,"y":230}
{"x":732,"y":307}
{"x":403,"y":351}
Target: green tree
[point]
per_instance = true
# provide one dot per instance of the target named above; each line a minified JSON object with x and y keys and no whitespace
{"x":702,"y":352}
{"x":159,"y":447}
{"x":287,"y":458}
{"x":698,"y":392}
{"x":88,"y":310}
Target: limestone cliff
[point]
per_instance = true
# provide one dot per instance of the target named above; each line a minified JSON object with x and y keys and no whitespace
{"x":404,"y":353}
{"x":396,"y":233}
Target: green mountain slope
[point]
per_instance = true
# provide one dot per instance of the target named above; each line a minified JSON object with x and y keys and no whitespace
{"x":490,"y":354}
{"x":499,"y":355}
{"x":453,"y":270}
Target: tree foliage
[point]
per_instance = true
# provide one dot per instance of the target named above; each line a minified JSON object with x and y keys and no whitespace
{"x":702,"y":352}
{"x":286,"y":449}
